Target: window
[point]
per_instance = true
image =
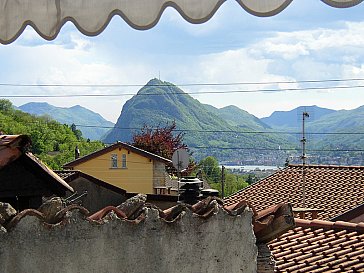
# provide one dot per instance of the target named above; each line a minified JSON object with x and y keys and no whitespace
{"x":114,"y":161}
{"x":123,"y":161}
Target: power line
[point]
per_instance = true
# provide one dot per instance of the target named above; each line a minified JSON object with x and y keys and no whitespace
{"x":275,"y":149}
{"x":224,"y":131}
{"x":202,"y":131}
{"x":185,"y":93}
{"x":182,"y":84}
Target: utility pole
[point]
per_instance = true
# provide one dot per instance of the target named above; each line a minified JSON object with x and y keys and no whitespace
{"x":303,"y":157}
{"x":222,"y":181}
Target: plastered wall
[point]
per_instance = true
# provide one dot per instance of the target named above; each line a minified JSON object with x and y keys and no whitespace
{"x":190,"y":244}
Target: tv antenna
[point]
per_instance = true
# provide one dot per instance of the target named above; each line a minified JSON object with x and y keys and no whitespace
{"x":180,"y":160}
{"x":303,"y":158}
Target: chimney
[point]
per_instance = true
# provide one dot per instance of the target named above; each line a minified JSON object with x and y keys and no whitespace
{"x":77,"y":152}
{"x":304,"y":213}
{"x":190,"y":190}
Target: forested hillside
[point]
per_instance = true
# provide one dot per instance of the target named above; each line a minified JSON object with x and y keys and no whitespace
{"x":93,"y":125}
{"x":54,"y":143}
{"x":206,"y":130}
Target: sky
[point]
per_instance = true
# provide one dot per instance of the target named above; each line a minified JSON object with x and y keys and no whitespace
{"x":308,"y":41}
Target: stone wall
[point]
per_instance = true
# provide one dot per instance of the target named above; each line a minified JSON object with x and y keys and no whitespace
{"x":189,"y":244}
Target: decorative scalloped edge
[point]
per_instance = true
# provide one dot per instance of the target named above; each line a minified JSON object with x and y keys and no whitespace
{"x":265,"y":14}
{"x":110,"y":16}
{"x":212,"y":208}
{"x":333,"y":3}
{"x":339,"y":4}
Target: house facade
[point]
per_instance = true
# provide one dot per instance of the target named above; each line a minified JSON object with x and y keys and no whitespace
{"x":124,"y":166}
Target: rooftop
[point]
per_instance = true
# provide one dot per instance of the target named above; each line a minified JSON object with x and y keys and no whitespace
{"x":333,"y":190}
{"x":320,"y":246}
{"x":115,"y":146}
{"x":13,"y":148}
{"x":70,"y":175}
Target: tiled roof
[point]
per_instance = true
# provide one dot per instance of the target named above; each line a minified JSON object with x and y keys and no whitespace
{"x":320,"y":246}
{"x":12,"y":147}
{"x":115,"y":146}
{"x":19,"y":141}
{"x":354,"y":215}
{"x":51,"y":175}
{"x":332,"y":189}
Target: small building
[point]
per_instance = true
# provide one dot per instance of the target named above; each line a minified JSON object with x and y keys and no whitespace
{"x":24,"y":179}
{"x":94,"y":194}
{"x":124,"y":166}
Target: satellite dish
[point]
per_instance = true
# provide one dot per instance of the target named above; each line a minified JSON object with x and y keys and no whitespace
{"x":180,"y":159}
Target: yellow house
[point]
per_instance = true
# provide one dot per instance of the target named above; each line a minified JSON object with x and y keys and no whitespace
{"x":124,"y":166}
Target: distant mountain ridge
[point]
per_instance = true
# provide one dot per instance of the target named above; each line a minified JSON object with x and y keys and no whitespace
{"x":98,"y":126}
{"x":348,"y":123}
{"x":293,"y":118}
{"x":226,"y":133}
{"x":238,"y":117}
{"x":158,"y":103}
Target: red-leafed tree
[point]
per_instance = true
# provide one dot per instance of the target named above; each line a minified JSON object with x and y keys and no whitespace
{"x":162,"y":141}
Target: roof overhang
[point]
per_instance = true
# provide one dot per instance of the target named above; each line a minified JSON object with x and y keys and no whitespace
{"x":91,"y":17}
{"x":12,"y":147}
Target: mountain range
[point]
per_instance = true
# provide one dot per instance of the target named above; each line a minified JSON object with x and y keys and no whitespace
{"x":226,"y":133}
{"x":208,"y":130}
{"x":293,"y":118}
{"x":91,"y":124}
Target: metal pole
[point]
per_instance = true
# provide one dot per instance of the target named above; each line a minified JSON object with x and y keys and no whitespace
{"x":222,"y":182}
{"x":178,"y":175}
{"x":303,"y":157}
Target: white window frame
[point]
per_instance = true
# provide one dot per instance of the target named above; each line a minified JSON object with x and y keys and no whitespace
{"x":114,"y":161}
{"x":123,"y":161}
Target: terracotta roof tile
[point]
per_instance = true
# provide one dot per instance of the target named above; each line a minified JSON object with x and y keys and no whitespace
{"x":325,"y":189}
{"x":19,"y":141}
{"x":320,"y":246}
{"x":12,"y":147}
{"x":134,"y":210}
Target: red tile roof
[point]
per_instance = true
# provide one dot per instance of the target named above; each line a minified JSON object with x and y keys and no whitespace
{"x":12,"y":147}
{"x":320,"y":246}
{"x":19,"y":141}
{"x":49,"y":174}
{"x":333,"y":189}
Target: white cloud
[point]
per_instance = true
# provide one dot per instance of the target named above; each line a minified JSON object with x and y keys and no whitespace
{"x":319,"y":53}
{"x":291,"y":45}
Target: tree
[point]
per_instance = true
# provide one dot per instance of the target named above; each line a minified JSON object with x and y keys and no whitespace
{"x":162,"y":141}
{"x":5,"y":105}
{"x":77,"y":132}
{"x":211,"y":169}
{"x":47,"y":135}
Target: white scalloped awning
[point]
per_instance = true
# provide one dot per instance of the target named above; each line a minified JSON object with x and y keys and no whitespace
{"x":92,"y":16}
